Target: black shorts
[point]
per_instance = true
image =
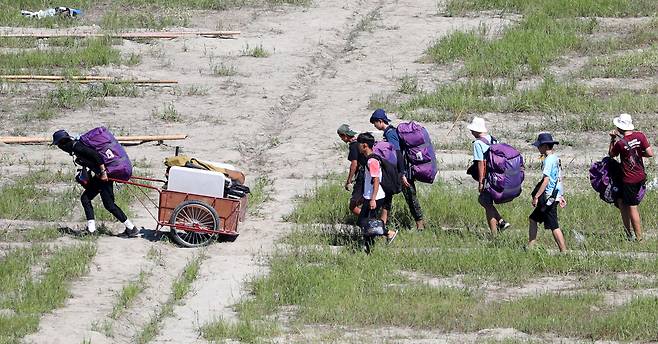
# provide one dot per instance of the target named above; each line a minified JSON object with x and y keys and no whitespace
{"x":387,"y":202}
{"x":357,"y":191}
{"x":629,"y":193}
{"x":546,"y":214}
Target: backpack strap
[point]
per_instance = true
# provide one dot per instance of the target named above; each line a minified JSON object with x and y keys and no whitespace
{"x":493,"y":141}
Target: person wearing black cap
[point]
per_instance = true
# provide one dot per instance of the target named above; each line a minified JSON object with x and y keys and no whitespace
{"x":548,"y":193}
{"x":89,"y":159}
{"x":381,"y":122}
{"x":357,"y":165}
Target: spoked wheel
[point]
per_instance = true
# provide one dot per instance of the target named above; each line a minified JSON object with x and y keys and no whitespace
{"x":193,"y":214}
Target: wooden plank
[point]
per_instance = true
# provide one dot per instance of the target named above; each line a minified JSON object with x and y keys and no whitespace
{"x":126,"y":35}
{"x":131,"y":140}
{"x":81,"y":79}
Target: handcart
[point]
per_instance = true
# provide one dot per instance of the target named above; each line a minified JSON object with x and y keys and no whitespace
{"x":194,"y":220}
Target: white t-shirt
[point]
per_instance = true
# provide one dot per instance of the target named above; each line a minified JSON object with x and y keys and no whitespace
{"x":373,"y":170}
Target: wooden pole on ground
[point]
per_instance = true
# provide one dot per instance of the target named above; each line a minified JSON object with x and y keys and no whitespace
{"x":130,"y":140}
{"x":127,"y":35}
{"x":80,"y":79}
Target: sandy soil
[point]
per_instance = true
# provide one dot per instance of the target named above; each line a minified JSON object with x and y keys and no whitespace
{"x":275,"y":118}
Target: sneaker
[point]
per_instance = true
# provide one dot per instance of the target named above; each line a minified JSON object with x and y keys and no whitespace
{"x":130,"y":233}
{"x":503,"y":225}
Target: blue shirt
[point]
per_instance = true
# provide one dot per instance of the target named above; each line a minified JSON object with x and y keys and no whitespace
{"x":551,"y":169}
{"x":391,"y":136}
{"x":479,"y":148}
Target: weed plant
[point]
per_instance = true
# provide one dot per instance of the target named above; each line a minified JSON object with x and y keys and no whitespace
{"x":257,"y":51}
{"x":260,"y":193}
{"x":37,"y":234}
{"x":168,"y":113}
{"x":127,"y":296}
{"x":222,"y":69}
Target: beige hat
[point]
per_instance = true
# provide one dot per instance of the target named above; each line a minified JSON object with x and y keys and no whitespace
{"x":624,"y":122}
{"x":477,"y":125}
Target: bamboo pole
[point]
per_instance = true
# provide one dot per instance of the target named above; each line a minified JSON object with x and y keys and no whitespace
{"x":54,"y":77}
{"x":80,"y":79}
{"x":136,"y":82}
{"x":127,"y":35}
{"x":122,"y":139}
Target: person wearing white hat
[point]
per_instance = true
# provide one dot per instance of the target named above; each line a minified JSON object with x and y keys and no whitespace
{"x":481,"y":145}
{"x":631,"y":146}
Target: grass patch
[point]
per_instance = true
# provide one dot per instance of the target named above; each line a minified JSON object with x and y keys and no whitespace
{"x":168,"y":113}
{"x":121,"y":19}
{"x":37,"y":234}
{"x":560,"y":8}
{"x":94,"y":52}
{"x":257,"y":51}
{"x":36,"y":295}
{"x":75,"y":96}
{"x":244,"y":331}
{"x":561,"y":101}
{"x":179,"y":289}
{"x":629,"y":65}
{"x":455,"y":46}
{"x":128,"y":294}
{"x":261,"y":192}
{"x":34,"y":197}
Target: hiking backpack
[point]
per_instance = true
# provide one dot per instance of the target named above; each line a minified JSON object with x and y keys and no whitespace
{"x":386,"y":151}
{"x":390,"y":181}
{"x":419,"y":151}
{"x":505,"y":171}
{"x":115,"y":158}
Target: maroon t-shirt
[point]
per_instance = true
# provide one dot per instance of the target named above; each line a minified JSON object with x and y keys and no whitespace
{"x":630,"y":149}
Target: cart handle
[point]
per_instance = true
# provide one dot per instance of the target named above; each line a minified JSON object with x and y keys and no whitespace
{"x":140,"y":184}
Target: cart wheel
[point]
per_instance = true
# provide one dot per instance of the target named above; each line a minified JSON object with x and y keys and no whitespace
{"x":193,"y":213}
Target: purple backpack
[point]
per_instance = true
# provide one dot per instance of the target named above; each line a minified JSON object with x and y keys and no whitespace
{"x":605,"y":178}
{"x":115,"y":158}
{"x":419,"y":151}
{"x":386,"y":151}
{"x":505,"y":172}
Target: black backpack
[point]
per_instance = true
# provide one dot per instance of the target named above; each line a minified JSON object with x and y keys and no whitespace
{"x":390,"y":181}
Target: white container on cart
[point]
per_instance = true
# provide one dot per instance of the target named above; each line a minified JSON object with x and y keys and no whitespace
{"x":196,"y":181}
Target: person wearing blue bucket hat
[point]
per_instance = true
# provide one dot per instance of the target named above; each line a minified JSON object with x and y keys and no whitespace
{"x":631,"y":146}
{"x":381,"y":121}
{"x":548,"y":193}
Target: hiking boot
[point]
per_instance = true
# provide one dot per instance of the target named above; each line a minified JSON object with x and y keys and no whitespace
{"x":130,"y":233}
{"x":503,"y":225}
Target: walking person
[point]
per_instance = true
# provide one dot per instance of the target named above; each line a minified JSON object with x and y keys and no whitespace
{"x":90,"y":160}
{"x":631,"y":146}
{"x":382,"y":122}
{"x":547,"y":194}
{"x":357,"y":166}
{"x":375,"y":199}
{"x":481,"y":145}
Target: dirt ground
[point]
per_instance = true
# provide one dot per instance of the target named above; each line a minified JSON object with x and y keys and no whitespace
{"x":275,"y":118}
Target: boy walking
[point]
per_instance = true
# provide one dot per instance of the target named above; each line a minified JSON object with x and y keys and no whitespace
{"x":374,"y":197}
{"x":382,"y":122}
{"x":481,"y":145}
{"x":547,"y":193}
{"x":631,"y":146}
{"x":357,"y":166}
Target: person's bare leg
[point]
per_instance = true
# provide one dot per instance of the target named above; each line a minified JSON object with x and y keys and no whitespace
{"x":492,"y":216}
{"x":355,"y":207}
{"x":625,"y":219}
{"x":384,"y":216}
{"x":635,"y":221}
{"x":559,"y":239}
{"x":532,"y":232}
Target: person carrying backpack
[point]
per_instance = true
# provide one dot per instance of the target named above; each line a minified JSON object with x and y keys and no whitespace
{"x":382,"y":122}
{"x":90,"y":159}
{"x":375,"y":199}
{"x":547,"y":194}
{"x":631,"y":146}
{"x":357,"y":166}
{"x":481,"y":145}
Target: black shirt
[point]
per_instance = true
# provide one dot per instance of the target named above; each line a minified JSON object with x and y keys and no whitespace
{"x":354,"y":154}
{"x":84,"y":156}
